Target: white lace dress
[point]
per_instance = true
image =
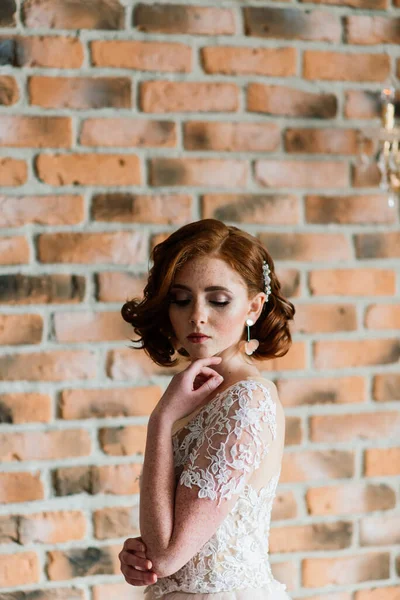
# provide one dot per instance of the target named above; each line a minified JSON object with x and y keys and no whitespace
{"x":234,"y":563}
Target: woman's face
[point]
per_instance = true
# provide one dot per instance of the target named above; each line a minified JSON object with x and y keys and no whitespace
{"x":208,"y":297}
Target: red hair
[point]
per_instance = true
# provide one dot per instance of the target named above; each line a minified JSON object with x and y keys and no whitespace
{"x":242,"y":252}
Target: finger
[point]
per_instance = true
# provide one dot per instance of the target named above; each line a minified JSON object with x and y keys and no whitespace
{"x":137,"y":574}
{"x":134,"y":544}
{"x":205,"y":361}
{"x":208,"y":371}
{"x":208,"y":386}
{"x":143,"y":580}
{"x":133,"y":560}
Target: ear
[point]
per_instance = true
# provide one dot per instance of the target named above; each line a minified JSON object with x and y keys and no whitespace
{"x":256,"y":305}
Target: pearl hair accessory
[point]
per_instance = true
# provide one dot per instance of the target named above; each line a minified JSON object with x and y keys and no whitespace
{"x":267,"y":279}
{"x":251,"y":345}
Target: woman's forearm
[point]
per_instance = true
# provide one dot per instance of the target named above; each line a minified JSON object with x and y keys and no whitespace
{"x":157,"y":490}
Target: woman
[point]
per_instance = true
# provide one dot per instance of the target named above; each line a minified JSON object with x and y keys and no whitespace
{"x":215,"y":439}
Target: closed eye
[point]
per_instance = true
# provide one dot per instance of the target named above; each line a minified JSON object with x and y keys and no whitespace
{"x":184,"y":302}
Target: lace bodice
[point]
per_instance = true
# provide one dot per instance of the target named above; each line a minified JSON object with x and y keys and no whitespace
{"x":217,"y":452}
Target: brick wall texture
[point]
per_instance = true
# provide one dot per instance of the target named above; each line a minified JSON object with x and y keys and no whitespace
{"x":120,"y":121}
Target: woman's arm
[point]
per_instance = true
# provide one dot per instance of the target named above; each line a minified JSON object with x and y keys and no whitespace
{"x":157,"y":490}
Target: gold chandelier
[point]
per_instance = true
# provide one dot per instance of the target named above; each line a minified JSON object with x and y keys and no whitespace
{"x":387,"y":157}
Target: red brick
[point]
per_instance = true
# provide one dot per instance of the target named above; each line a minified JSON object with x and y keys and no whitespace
{"x":44,"y":445}
{"x":188,"y":96}
{"x":294,"y":434}
{"x":81,"y":562}
{"x":331,"y":66}
{"x":41,"y":289}
{"x":28,"y":407}
{"x":352,"y":282}
{"x":353,"y":427}
{"x":142,"y":56}
{"x":231,"y":137}
{"x":19,"y":568}
{"x":308,"y":538}
{"x":385,"y":386}
{"x":35,"y":132}
{"x":9,"y":92}
{"x":58,"y":52}
{"x":73,"y":14}
{"x":111,"y":479}
{"x":364,"y":4}
{"x":13,"y":172}
{"x":58,"y":365}
{"x":382,"y":462}
{"x":377,"y":245}
{"x":292,"y":24}
{"x":270,"y":209}
{"x":198,"y":172}
{"x":128,"y":133}
{"x":79,"y":92}
{"x":363,"y":209}
{"x":307,"y":246}
{"x":52,"y":527}
{"x":236,"y":60}
{"x":105,"y":403}
{"x":43,"y":210}
{"x":325,"y":318}
{"x":14,"y":250}
{"x":118,"y":287}
{"x":322,"y":390}
{"x":327,"y":141}
{"x":125,"y":364}
{"x":363,"y":29}
{"x":89,"y":169}
{"x":307,"y":465}
{"x":296,"y":359}
{"x":193,"y":20}
{"x":382,"y":316}
{"x":366,"y":176}
{"x":281,"y":100}
{"x":91,"y":327}
{"x":301,"y":173}
{"x":362,"y":104}
{"x":121,"y":247}
{"x":350,"y":498}
{"x":378,"y":593}
{"x":284,"y":507}
{"x":318,"y":572}
{"x":142,"y":208}
{"x":123,"y":441}
{"x":113,"y":522}
{"x":20,"y":329}
{"x":382,"y":531}
{"x":20,"y":487}
{"x":329,"y":354}
{"x":7,"y":14}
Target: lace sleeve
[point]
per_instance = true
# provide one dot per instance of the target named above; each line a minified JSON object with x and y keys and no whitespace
{"x":234,"y":439}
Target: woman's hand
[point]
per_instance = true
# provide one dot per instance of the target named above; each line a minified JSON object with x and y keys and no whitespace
{"x":134,"y":565}
{"x":189,"y":389}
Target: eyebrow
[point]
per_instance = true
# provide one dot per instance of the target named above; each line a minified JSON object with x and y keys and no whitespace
{"x":211,"y":288}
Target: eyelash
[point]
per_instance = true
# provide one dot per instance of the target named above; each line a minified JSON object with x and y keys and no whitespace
{"x":184,"y":302}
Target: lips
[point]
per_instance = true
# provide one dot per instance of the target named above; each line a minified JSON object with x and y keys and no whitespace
{"x":197,"y":336}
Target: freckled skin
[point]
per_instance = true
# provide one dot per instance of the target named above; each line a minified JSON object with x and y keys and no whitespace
{"x":226,"y":325}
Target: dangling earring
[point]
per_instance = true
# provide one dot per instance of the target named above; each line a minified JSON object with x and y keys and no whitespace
{"x":251,"y":345}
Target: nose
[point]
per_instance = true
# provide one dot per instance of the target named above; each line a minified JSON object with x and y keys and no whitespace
{"x":198,"y":313}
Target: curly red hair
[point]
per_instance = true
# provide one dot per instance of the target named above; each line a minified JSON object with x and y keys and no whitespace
{"x":242,"y":252}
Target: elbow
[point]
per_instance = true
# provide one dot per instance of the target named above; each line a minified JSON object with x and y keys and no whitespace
{"x":163,"y":567}
{"x":163,"y":564}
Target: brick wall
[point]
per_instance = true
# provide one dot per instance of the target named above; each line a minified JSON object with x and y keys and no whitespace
{"x":119,"y":122}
